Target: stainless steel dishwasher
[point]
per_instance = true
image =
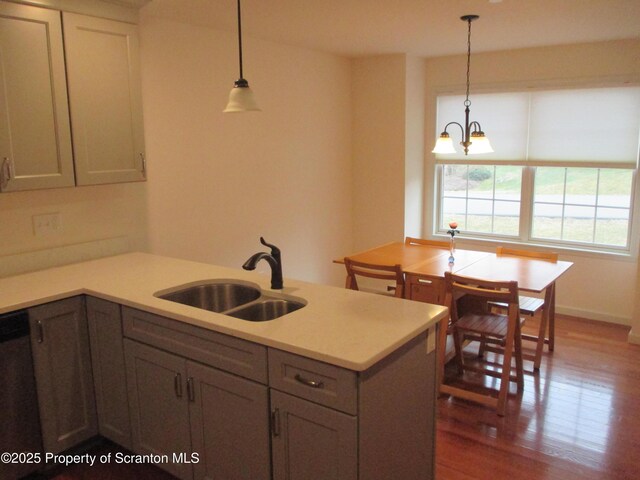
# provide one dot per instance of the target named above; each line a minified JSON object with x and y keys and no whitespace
{"x":19,"y":418}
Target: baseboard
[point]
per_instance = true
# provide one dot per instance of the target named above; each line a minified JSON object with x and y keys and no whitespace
{"x":591,"y":315}
{"x":634,"y":336}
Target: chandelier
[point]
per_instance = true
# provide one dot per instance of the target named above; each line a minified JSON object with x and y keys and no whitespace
{"x":474,"y":140}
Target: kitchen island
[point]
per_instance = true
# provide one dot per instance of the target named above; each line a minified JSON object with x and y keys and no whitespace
{"x":342,"y":388}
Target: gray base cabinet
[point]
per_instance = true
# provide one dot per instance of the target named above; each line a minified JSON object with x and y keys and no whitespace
{"x":208,"y":423}
{"x":229,"y":430}
{"x":107,"y":358}
{"x":158,"y":403}
{"x":212,"y":406}
{"x":312,"y":441}
{"x":336,"y":424}
{"x":64,"y":379}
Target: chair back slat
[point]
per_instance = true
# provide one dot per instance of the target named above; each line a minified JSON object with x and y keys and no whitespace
{"x":422,"y":241}
{"x":370,"y":270}
{"x":549,"y":256}
{"x":497,"y":291}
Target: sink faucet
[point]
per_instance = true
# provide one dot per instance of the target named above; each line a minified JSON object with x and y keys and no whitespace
{"x":274,"y":260}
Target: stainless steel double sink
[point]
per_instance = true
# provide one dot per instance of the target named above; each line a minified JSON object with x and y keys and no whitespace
{"x":236,"y":298}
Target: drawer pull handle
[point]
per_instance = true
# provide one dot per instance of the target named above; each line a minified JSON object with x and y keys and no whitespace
{"x":177,"y":385}
{"x":275,"y":422}
{"x":40,"y":332}
{"x":191,"y":393}
{"x":424,"y":281}
{"x":309,"y":383}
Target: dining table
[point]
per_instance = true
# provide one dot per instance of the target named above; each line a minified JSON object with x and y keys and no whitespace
{"x":424,"y":267}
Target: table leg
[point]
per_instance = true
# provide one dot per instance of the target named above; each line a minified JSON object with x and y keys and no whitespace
{"x":547,"y":319}
{"x":552,"y":316}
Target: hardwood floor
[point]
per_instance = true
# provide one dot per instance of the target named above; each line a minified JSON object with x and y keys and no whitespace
{"x":577,"y":420}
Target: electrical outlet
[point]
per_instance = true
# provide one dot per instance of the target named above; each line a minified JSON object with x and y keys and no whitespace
{"x":47,"y":224}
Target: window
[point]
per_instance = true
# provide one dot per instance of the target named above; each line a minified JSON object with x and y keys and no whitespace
{"x":563,"y":170}
{"x":582,"y":205}
{"x":482,"y":198}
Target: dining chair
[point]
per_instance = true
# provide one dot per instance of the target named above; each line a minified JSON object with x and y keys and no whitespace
{"x":532,"y":305}
{"x":422,"y":241}
{"x":471,"y":319}
{"x":380,"y":272}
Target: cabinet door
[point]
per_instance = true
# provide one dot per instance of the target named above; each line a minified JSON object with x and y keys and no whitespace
{"x":156,"y":383}
{"x":104,"y":94}
{"x":109,"y":374}
{"x":35,"y":139}
{"x":62,"y":365}
{"x":311,"y":441}
{"x":229,"y":425}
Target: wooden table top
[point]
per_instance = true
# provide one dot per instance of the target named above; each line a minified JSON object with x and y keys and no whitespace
{"x":531,"y":274}
{"x":398,"y":253}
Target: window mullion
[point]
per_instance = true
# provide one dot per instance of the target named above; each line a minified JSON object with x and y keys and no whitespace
{"x":526,"y":203}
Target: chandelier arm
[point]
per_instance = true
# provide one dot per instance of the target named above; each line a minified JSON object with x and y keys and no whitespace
{"x":476,"y":126}
{"x":454,"y":123}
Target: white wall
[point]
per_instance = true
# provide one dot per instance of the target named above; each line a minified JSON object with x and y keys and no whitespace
{"x":414,"y":147}
{"x":596,"y":287}
{"x":634,"y":335}
{"x":95,"y":221}
{"x":217,"y":182}
{"x":388,"y":143}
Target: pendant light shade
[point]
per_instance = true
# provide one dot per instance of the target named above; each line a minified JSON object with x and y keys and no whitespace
{"x":241,"y":98}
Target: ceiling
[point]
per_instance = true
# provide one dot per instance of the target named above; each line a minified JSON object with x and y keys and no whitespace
{"x":420,"y":27}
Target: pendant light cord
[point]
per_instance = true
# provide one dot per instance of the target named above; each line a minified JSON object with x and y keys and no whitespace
{"x":467,"y":102}
{"x":240,"y":43}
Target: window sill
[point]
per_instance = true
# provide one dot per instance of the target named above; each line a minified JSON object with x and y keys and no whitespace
{"x":485,"y":244}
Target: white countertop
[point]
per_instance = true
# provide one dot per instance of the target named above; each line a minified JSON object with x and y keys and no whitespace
{"x":350,"y":329}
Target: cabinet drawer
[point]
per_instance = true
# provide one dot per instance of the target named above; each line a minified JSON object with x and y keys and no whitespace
{"x":316,"y":381}
{"x":234,"y":355}
{"x":426,"y":289}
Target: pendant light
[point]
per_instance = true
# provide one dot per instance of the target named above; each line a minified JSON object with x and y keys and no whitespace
{"x":475,"y":141}
{"x":241,"y":97}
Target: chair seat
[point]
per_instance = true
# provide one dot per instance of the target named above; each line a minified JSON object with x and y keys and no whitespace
{"x":528,"y":305}
{"x":489,"y":324}
{"x":493,"y":324}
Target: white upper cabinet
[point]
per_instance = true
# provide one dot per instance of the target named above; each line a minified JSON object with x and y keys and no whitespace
{"x":35,"y":139}
{"x":105,"y":99}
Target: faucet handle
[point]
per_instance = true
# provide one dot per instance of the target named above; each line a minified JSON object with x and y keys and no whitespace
{"x":274,"y":250}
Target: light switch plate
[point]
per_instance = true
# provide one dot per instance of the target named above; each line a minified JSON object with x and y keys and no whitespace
{"x":47,"y":224}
